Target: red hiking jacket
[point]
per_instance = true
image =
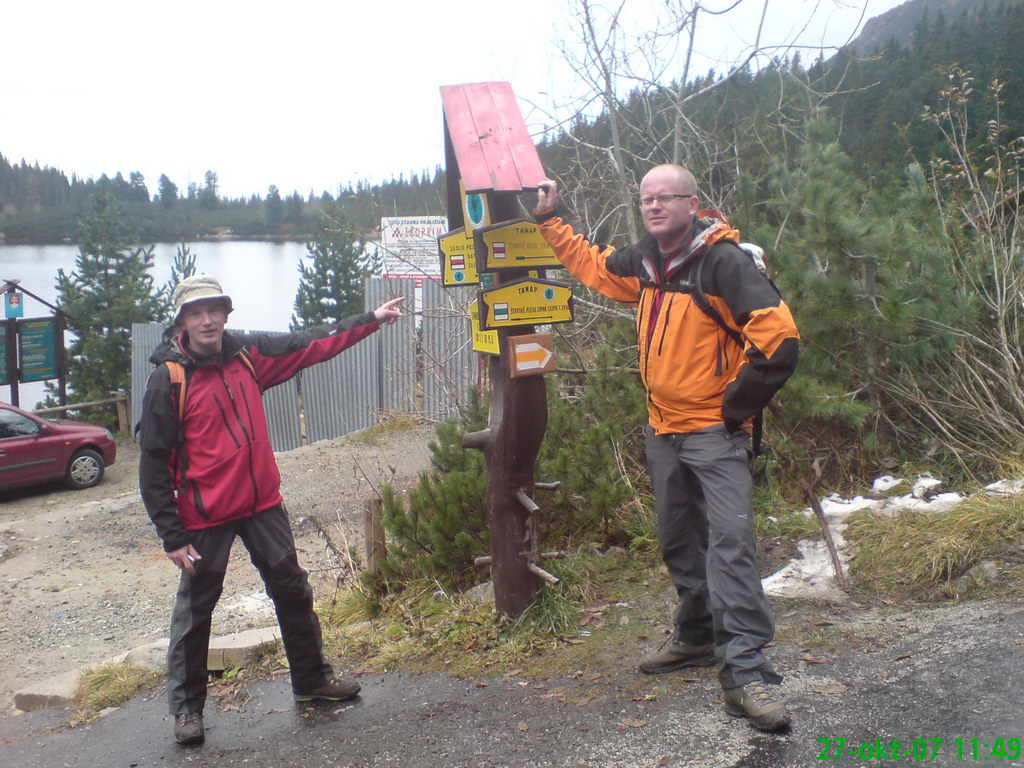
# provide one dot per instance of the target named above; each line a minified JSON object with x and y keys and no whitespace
{"x":221,"y":467}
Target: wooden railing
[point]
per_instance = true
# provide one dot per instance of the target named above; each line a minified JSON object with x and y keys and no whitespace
{"x":119,"y":401}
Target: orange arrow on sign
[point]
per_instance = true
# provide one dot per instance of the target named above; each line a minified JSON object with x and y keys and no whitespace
{"x":531,"y":354}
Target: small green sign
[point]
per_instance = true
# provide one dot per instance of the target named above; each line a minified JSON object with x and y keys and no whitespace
{"x":37,"y":343}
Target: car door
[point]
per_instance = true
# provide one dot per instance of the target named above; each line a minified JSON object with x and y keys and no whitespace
{"x":28,"y":450}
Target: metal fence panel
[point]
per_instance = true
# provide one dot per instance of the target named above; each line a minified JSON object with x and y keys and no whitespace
{"x":448,"y":357}
{"x":145,"y":338}
{"x":397,"y":345}
{"x":342,"y":395}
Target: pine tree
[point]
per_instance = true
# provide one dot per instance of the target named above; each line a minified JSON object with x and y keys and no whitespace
{"x":444,"y":525}
{"x":274,"y":209}
{"x":331,"y":287}
{"x":168,"y":192}
{"x":110,"y":288}
{"x":184,"y":265}
{"x":208,"y":196}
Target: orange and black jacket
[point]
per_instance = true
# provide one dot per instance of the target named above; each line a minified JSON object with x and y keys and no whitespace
{"x":696,"y":376}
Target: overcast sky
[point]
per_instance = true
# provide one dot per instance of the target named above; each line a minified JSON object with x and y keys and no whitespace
{"x":304,"y":94}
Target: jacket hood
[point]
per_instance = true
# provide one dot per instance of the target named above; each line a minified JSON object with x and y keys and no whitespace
{"x":172,"y":348}
{"x":709,"y":228}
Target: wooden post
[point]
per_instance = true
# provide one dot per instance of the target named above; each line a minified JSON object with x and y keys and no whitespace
{"x":373,"y":531}
{"x":13,"y":374}
{"x":518,"y":420}
{"x":121,"y":405}
{"x":62,"y":359}
{"x":488,"y":150}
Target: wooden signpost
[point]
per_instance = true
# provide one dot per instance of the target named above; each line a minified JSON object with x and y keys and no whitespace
{"x":489,"y":161}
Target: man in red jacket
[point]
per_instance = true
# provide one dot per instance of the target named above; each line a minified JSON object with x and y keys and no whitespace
{"x":211,"y":476}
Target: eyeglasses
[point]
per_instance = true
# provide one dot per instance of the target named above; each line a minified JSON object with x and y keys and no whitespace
{"x":647,"y":202}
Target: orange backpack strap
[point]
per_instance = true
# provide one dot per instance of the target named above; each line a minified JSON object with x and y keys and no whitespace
{"x":247,"y":361}
{"x":179,"y":381}
{"x":178,"y":384}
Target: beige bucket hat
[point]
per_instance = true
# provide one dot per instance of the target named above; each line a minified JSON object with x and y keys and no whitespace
{"x":197,"y":288}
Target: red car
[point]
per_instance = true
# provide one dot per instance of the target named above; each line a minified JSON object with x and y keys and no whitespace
{"x":34,"y":450}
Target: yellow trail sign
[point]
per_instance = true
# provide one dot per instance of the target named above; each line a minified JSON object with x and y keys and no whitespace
{"x":458,"y":258}
{"x":528,"y":301}
{"x":515,"y":244}
{"x":483,"y":341}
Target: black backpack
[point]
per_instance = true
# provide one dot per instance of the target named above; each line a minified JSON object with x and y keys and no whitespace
{"x":756,"y":254}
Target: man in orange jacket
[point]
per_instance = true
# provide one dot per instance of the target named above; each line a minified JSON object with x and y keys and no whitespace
{"x":702,"y":390}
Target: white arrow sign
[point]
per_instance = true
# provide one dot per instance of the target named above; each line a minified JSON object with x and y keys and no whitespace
{"x":531,"y":356}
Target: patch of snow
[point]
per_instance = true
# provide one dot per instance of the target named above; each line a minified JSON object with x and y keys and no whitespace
{"x":812,"y":575}
{"x":835,"y":507}
{"x":1005,"y":488}
{"x":924,"y":483}
{"x":943,"y":502}
{"x":809,"y":576}
{"x":885,"y":482}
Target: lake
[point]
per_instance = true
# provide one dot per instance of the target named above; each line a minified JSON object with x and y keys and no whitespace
{"x":261,"y":278}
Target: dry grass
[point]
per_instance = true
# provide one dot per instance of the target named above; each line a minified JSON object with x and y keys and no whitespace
{"x":925,"y":554}
{"x":423,"y":627}
{"x":790,"y":524}
{"x":109,"y":686}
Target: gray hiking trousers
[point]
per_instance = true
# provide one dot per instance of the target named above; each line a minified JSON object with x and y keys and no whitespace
{"x":268,"y":537}
{"x":703,"y":493}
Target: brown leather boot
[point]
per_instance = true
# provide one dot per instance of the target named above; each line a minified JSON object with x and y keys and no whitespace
{"x":675,"y":654}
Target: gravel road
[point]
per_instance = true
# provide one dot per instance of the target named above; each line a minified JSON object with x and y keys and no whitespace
{"x":83,"y":576}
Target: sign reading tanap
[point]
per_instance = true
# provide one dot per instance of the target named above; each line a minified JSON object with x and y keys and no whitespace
{"x":516,"y":244}
{"x":409,"y":245}
{"x":525,"y":302}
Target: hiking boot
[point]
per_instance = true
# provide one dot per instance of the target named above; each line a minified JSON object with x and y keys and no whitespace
{"x":675,"y":654}
{"x":332,"y":690}
{"x":188,"y":729}
{"x":766,"y":711}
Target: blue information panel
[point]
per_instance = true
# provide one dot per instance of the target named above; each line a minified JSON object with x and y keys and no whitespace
{"x":37,"y":343}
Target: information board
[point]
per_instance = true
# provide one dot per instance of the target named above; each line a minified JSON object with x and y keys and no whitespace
{"x":409,"y":245}
{"x":37,"y":347}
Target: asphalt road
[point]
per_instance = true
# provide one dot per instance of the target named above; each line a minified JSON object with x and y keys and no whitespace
{"x":952,"y":672}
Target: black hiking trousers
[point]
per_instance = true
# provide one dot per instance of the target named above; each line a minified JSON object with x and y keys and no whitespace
{"x":268,"y":537}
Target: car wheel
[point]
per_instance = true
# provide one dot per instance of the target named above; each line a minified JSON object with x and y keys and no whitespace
{"x":84,"y":470}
